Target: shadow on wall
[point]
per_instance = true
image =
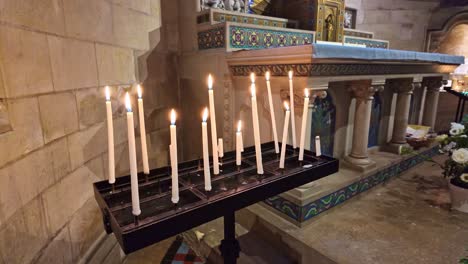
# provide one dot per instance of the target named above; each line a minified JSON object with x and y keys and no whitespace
{"x":159,"y":76}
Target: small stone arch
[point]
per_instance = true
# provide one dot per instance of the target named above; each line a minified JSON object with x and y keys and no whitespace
{"x":436,"y":35}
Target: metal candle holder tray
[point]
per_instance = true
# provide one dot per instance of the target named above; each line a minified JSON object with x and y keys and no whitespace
{"x":234,"y":189}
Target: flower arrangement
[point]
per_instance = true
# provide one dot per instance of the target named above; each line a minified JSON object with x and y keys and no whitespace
{"x":456,"y":146}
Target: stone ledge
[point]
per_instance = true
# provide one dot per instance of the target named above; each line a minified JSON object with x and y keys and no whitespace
{"x":300,"y":210}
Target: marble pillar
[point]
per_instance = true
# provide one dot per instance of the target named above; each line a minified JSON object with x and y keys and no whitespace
{"x":363,"y":92}
{"x":404,"y":88}
{"x":432,"y":85}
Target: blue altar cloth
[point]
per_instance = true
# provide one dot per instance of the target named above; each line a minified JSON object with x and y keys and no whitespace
{"x":324,"y":51}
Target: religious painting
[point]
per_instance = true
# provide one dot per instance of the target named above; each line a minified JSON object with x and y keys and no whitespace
{"x":330,"y":17}
{"x":323,"y":123}
{"x":376,"y":115}
{"x":350,"y":18}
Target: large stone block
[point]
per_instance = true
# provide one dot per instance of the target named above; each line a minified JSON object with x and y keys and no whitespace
{"x":89,"y":19}
{"x":5,"y":125}
{"x":62,"y":200}
{"x":45,"y":15}
{"x":27,"y":132}
{"x":85,"y":227}
{"x":25,"y":62}
{"x":59,"y":157}
{"x":10,"y":200}
{"x":91,"y":106}
{"x":73,"y":63}
{"x":138,"y":5}
{"x":59,"y":250}
{"x":115,"y":65}
{"x":87,"y":144}
{"x":131,"y":28}
{"x":58,"y":115}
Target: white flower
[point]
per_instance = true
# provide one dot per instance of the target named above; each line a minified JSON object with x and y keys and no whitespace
{"x":441,"y":138}
{"x":449,"y":146}
{"x":456,"y":129}
{"x":463,"y":136}
{"x":460,"y":156}
{"x":464,"y":177}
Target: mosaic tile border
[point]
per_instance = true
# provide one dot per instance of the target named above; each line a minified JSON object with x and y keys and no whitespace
{"x":370,"y":43}
{"x":235,"y":36}
{"x":357,"y":33}
{"x":311,"y":210}
{"x":247,"y":37}
{"x":212,"y":39}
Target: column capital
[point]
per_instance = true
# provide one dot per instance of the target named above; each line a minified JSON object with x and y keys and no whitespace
{"x":364,"y":91}
{"x":401,"y":86}
{"x":432,"y":84}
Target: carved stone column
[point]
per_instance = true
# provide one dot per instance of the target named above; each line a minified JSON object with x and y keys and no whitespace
{"x":432,"y":85}
{"x":404,"y":88}
{"x":363,"y":92}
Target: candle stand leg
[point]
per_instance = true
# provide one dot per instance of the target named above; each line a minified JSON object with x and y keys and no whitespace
{"x":230,"y":248}
{"x":113,"y":188}
{"x":135,"y":219}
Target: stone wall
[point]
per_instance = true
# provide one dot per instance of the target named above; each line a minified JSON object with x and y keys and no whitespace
{"x":55,"y":58}
{"x":402,"y":22}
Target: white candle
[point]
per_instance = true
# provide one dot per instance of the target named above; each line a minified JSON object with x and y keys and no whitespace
{"x":318,"y":148}
{"x":141,"y":114}
{"x":291,"y":103}
{"x":304,"y":123}
{"x":132,"y":156}
{"x":220,"y":148}
{"x":174,"y":162}
{"x":110,"y":137}
{"x":238,"y":144}
{"x":272,"y":112}
{"x":242,"y":141}
{"x":206,"y":158}
{"x":256,"y":128}
{"x":285,"y":136}
{"x":214,"y":136}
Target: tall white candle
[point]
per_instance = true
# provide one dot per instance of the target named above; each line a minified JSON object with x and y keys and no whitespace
{"x":214,"y":135}
{"x":220,"y":148}
{"x":318,"y":147}
{"x":141,"y":114}
{"x":291,"y":103}
{"x":256,"y":128}
{"x":242,"y":141}
{"x":206,"y":158}
{"x":272,"y":112}
{"x":238,"y":144}
{"x":132,"y":156}
{"x":304,"y":123}
{"x":285,"y":135}
{"x":110,"y":137}
{"x":174,"y":162}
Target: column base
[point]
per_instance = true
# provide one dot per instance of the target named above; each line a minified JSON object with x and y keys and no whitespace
{"x":358,"y":164}
{"x":394,"y":147}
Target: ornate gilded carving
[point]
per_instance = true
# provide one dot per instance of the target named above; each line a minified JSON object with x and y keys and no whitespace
{"x":401,"y":85}
{"x":333,"y":69}
{"x":364,"y":90}
{"x":330,"y":20}
{"x":432,"y":83}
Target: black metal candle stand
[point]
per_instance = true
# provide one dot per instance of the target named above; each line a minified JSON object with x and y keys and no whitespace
{"x":233,"y":189}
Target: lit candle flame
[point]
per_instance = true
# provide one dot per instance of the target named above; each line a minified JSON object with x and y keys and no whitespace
{"x":286,"y":106}
{"x":173,"y":117}
{"x":210,"y":82}
{"x":290,"y":74}
{"x":267,"y":75}
{"x":107,"y":93}
{"x":128,"y":103}
{"x":252,"y":77}
{"x":252,"y":89}
{"x":239,"y":126}
{"x":139,"y":91}
{"x":306,"y":92}
{"x":205,"y":114}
